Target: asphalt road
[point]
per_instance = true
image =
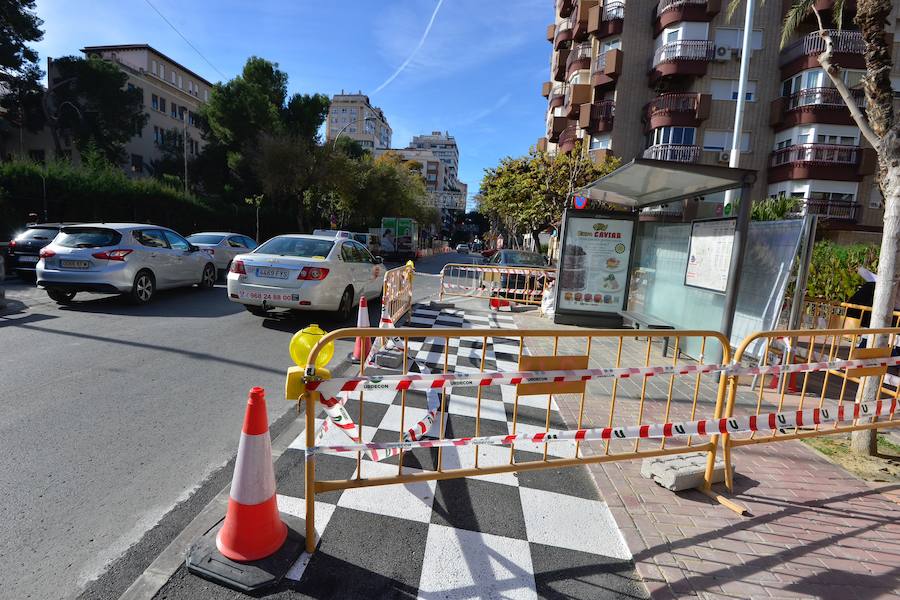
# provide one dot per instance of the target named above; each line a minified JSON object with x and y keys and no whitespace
{"x":115,"y":415}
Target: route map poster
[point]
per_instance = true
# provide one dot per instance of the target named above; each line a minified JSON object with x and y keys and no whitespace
{"x":594,"y":264}
{"x":709,"y":254}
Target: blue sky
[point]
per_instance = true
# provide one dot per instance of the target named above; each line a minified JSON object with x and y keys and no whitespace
{"x":477,"y":74}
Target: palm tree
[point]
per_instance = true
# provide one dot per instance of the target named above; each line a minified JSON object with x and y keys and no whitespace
{"x":881,"y":130}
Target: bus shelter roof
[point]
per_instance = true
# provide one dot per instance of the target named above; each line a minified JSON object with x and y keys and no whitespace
{"x":645,"y":182}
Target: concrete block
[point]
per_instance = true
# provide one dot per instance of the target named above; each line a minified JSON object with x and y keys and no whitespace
{"x":680,"y":472}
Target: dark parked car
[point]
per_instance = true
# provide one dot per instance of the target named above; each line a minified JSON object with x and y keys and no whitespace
{"x":519,"y":258}
{"x":25,"y":249}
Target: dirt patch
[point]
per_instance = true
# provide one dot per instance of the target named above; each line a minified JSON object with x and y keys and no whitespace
{"x":882,"y":468}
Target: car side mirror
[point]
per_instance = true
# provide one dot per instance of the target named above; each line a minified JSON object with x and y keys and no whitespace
{"x":379,"y":260}
{"x":192,"y":248}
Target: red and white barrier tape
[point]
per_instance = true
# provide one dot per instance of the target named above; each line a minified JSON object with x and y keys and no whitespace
{"x":742,"y":424}
{"x":492,"y":290}
{"x":412,"y":381}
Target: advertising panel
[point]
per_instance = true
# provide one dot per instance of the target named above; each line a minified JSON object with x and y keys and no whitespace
{"x":594,"y":265}
{"x":709,"y":254}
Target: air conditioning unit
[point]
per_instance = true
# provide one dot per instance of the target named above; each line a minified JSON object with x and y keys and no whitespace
{"x":724,"y":157}
{"x":723,"y":53}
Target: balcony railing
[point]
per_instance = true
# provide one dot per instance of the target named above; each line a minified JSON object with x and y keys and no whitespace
{"x":565,"y":7}
{"x":829,"y":154}
{"x":845,"y":42}
{"x":568,"y":136}
{"x":699,"y":50}
{"x":613,"y":11}
{"x":582,"y":50}
{"x":836,"y":210}
{"x":823,"y":96}
{"x":559,"y":89}
{"x":599,"y":65}
{"x":565,"y":25}
{"x":673,"y":103}
{"x":675,"y":152}
{"x":666,"y":5}
{"x":603,"y":111}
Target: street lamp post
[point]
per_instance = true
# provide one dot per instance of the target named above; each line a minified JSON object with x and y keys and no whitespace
{"x":334,"y":145}
{"x":44,"y":195}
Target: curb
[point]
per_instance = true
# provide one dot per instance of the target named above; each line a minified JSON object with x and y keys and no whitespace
{"x":171,"y":558}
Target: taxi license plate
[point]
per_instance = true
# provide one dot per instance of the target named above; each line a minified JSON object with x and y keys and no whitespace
{"x":271,"y":273}
{"x":74,"y":264}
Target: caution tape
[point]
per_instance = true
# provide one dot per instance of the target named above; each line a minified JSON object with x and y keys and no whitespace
{"x":494,"y":290}
{"x":742,"y":424}
{"x":413,"y":381}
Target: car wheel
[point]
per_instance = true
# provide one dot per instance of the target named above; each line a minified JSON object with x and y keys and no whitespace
{"x":256,"y":310}
{"x":210,"y":275}
{"x":143,"y":288}
{"x":346,"y":305}
{"x":60,"y":296}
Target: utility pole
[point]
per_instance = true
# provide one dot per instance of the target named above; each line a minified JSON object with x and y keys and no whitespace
{"x":735,"y":156}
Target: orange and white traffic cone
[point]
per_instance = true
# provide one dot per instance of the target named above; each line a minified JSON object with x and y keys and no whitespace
{"x":253,"y":529}
{"x":500,"y":304}
{"x":362,"y":345}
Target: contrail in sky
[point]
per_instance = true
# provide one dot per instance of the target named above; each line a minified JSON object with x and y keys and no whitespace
{"x":415,"y":50}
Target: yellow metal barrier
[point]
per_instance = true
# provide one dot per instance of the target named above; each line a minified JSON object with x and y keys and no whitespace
{"x":822,"y":386}
{"x":397,"y":293}
{"x":524,"y":285}
{"x":676,"y":391}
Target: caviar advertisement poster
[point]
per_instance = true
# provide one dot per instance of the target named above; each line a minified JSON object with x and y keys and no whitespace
{"x":593,"y":270}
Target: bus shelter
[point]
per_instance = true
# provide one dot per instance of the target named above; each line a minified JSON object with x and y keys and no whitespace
{"x":688,"y":275}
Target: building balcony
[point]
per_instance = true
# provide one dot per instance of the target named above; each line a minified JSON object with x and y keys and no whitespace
{"x":684,"y":58}
{"x":680,"y":110}
{"x":565,"y":30}
{"x":546,"y":88}
{"x":582,"y":17}
{"x":555,"y":126}
{"x":821,"y":161}
{"x":551,"y":32}
{"x":844,"y":211}
{"x":576,"y":95}
{"x":606,"y":19}
{"x":673,"y":152}
{"x":813,"y":105}
{"x":600,"y":155}
{"x":568,"y":138}
{"x":541,"y":145}
{"x":673,"y":11}
{"x":558,"y":64}
{"x":849,"y":48}
{"x":564,"y":8}
{"x":597,"y":117}
{"x":558,"y":95}
{"x":606,"y":69}
{"x":579,"y":58}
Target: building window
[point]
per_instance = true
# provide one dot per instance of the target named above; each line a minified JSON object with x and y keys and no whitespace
{"x":181,"y":82}
{"x":719,"y":141}
{"x":837,"y":140}
{"x":673,"y":135}
{"x":162,"y":104}
{"x":162,"y":71}
{"x":206,"y":94}
{"x":157,"y":137}
{"x":137,"y":163}
{"x":727,"y":89}
{"x":154,"y":101}
{"x":181,"y":111}
{"x":600,"y":142}
{"x":726,"y":36}
{"x":153,"y":67}
{"x":174,"y":111}
{"x":172,"y":77}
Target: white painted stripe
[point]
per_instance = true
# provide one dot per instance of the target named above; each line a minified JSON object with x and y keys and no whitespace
{"x":254,"y":474}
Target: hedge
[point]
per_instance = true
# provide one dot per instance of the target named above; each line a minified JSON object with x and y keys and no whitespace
{"x":832,"y":272}
{"x":105,"y":193}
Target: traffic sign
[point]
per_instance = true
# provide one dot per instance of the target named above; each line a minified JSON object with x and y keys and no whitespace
{"x":579,"y":202}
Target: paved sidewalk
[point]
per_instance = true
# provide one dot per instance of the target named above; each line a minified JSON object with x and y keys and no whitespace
{"x":815,"y":531}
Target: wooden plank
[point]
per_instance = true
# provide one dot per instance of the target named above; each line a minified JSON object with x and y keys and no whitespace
{"x":552,"y":363}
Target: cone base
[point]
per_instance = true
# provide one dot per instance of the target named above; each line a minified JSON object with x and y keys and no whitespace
{"x":205,"y":560}
{"x":251,"y":532}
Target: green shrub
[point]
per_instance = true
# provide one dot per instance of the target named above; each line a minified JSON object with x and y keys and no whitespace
{"x":832,"y":272}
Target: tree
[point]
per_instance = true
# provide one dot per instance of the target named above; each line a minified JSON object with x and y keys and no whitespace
{"x":528,"y":193}
{"x":20,"y":76}
{"x":88,"y":99}
{"x":255,"y":201}
{"x":881,"y":130}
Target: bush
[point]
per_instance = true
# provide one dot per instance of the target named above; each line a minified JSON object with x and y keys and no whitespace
{"x":832,"y":272}
{"x":97,"y":191}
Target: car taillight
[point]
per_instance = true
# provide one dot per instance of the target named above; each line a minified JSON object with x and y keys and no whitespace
{"x":12,"y":244}
{"x":47,"y":253}
{"x":118,"y":255}
{"x":238,"y":267}
{"x":312,"y":274}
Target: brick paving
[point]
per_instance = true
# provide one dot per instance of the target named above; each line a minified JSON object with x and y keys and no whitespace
{"x":814,"y":530}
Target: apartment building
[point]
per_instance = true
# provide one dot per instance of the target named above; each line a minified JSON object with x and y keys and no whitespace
{"x":440,"y":192}
{"x":353,"y":116}
{"x":443,"y":145}
{"x":677,"y":63}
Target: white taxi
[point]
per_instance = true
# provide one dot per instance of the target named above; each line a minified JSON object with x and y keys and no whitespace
{"x":305,"y":272}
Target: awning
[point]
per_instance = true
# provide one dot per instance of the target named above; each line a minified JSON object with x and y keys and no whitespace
{"x":645,"y":182}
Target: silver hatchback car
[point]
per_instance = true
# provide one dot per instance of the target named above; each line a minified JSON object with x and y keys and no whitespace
{"x":121,"y":258}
